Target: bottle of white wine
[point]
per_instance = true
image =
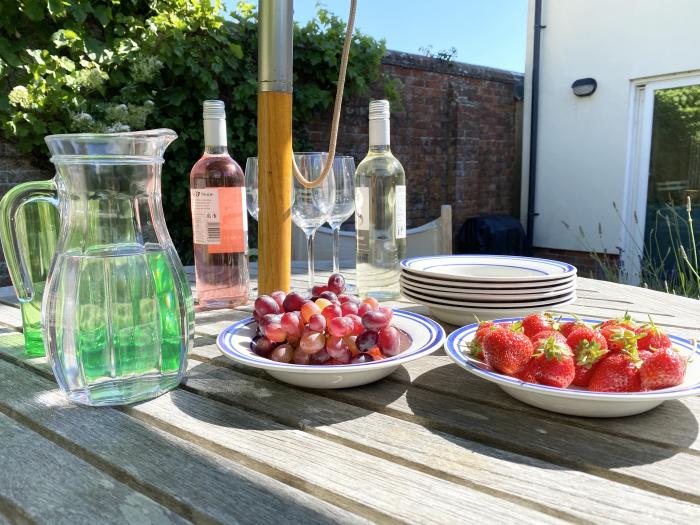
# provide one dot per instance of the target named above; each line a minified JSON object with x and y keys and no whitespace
{"x":380,"y":207}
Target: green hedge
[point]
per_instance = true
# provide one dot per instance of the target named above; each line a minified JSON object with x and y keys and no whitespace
{"x":82,"y":65}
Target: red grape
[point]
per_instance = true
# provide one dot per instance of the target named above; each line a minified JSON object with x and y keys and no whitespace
{"x":349,"y":308}
{"x":319,"y":357}
{"x":364,"y":308}
{"x":262,"y":346}
{"x":343,"y":357}
{"x":389,"y":341}
{"x":331,"y":311}
{"x":282,"y":354}
{"x":350,"y":341}
{"x":274,"y":332}
{"x":334,"y":344}
{"x":336,"y":283}
{"x":340,"y":326}
{"x":387,"y":311}
{"x":312,"y":343}
{"x":367,"y":340}
{"x":309,"y":309}
{"x":372,"y":302}
{"x":317,"y":323}
{"x":362,"y":358}
{"x":405,"y":341}
{"x":279,"y":297}
{"x":293,"y":302}
{"x":300,"y":357}
{"x":375,"y":320}
{"x":329,"y":296}
{"x":266,"y":305}
{"x":291,"y":322}
{"x":317,"y":290}
{"x":268,"y":319}
{"x":357,"y":326}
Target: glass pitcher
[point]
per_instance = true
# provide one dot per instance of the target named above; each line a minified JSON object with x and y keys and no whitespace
{"x":117,"y":313}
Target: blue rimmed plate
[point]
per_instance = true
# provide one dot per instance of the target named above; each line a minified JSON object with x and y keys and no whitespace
{"x":488,"y":268}
{"x":427,"y":336}
{"x":576,"y":401}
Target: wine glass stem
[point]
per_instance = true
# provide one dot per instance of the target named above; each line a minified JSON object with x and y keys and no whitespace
{"x":336,"y":247}
{"x":310,"y":250}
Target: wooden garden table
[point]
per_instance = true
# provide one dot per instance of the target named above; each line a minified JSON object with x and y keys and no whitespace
{"x":429,"y":444}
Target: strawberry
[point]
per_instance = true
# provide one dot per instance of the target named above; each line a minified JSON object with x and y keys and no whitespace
{"x":553,"y":363}
{"x":585,"y":335}
{"x":569,"y":326}
{"x":590,"y":348}
{"x":625,"y":321}
{"x":546,"y":334}
{"x":650,"y":337}
{"x":507,"y":351}
{"x":663,"y":369}
{"x":535,"y":323}
{"x":527,"y":373}
{"x":616,"y":373}
{"x":619,"y":338}
{"x":645,"y":354}
{"x":476,"y":344}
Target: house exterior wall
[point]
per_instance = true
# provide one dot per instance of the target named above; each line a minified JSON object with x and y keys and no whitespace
{"x":583,"y":142}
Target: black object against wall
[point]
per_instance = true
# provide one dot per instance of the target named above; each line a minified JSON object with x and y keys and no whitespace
{"x":492,"y":234}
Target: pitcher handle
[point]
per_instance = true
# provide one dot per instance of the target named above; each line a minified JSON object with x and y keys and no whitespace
{"x":11,"y":203}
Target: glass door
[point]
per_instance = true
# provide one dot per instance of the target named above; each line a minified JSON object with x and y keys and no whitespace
{"x":661,"y":209}
{"x":672,"y":214}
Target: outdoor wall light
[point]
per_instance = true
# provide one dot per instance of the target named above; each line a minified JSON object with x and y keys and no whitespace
{"x":584,"y":87}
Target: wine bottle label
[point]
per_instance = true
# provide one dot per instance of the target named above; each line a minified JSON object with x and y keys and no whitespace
{"x":219,"y":219}
{"x":400,"y":210}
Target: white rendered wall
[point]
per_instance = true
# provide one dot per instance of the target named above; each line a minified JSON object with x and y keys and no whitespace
{"x":583,"y":142}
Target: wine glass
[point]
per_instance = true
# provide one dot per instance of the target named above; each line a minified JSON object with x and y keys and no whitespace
{"x":251,"y":185}
{"x":344,"y":207}
{"x":311,"y":207}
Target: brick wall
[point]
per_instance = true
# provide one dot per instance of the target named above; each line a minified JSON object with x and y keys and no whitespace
{"x":456,"y":135}
{"x":585,"y":263}
{"x":14,"y":168}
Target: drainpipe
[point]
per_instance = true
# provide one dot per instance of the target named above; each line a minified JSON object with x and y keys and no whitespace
{"x":534,"y":113}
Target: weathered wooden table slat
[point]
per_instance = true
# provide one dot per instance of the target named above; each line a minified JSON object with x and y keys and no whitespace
{"x":429,"y":444}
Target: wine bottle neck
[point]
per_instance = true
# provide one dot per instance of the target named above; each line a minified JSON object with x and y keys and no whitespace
{"x":215,"y":133}
{"x":215,"y":150}
{"x":380,"y":149}
{"x":379,"y":133}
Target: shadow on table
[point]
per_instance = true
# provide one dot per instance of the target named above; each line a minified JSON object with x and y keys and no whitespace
{"x":465,"y":409}
{"x":256,"y":401}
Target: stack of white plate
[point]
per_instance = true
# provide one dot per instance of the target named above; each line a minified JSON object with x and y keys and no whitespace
{"x":458,"y":287}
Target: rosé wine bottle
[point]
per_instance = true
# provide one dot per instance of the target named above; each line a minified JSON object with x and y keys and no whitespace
{"x":219,"y":221}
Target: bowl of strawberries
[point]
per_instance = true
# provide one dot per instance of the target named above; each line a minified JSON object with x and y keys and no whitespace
{"x":582,"y":367}
{"x":328,"y":339}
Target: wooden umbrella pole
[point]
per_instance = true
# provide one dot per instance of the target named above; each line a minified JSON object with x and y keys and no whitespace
{"x":274,"y":145}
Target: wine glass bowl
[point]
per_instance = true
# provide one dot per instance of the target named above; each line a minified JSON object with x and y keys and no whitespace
{"x":312,"y":207}
{"x":344,"y":202}
{"x":251,"y":185}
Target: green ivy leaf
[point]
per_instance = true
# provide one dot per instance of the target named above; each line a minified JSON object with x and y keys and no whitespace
{"x":64,"y":38}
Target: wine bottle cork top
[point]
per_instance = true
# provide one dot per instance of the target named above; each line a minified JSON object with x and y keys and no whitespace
{"x":379,"y":110}
{"x":213,"y":109}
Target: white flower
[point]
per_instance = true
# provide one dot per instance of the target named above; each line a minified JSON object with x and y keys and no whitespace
{"x":19,"y":96}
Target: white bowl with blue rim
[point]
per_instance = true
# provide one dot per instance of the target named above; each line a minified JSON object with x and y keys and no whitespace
{"x":576,"y":401}
{"x":427,"y":336}
{"x":488,"y":268}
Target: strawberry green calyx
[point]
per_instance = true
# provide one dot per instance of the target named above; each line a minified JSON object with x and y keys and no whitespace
{"x":552,"y":349}
{"x":554,"y":321}
{"x":517,"y":327}
{"x":589,"y":353}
